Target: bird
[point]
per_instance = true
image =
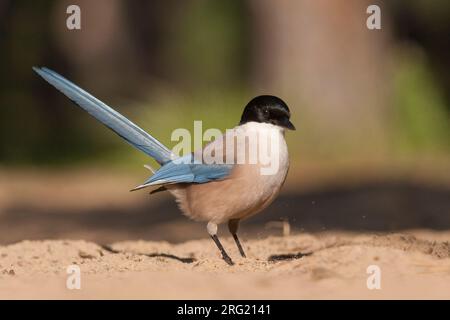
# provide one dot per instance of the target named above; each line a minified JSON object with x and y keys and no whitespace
{"x":214,"y":193}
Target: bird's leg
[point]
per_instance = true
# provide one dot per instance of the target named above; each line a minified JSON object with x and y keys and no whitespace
{"x":212,"y":230}
{"x":233,"y":225}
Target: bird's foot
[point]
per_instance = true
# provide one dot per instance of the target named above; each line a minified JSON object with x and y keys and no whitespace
{"x":227,"y":259}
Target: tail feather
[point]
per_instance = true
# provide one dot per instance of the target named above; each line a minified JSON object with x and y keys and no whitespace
{"x":109,"y":117}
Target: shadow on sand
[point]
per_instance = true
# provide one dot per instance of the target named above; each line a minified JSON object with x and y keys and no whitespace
{"x":388,"y":206}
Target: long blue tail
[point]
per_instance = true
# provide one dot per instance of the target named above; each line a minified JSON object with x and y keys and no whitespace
{"x":109,"y":117}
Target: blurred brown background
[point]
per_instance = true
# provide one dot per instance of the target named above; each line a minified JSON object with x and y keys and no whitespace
{"x":371,"y":106}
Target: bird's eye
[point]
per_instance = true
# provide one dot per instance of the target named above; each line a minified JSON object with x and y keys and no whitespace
{"x":266,"y":111}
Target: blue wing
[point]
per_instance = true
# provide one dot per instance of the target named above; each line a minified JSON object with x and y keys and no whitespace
{"x":184,"y":170}
{"x":180,"y":170}
{"x":109,"y":117}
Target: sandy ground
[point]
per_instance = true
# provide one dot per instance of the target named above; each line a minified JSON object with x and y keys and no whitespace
{"x":327,"y":265}
{"x":337,"y":231}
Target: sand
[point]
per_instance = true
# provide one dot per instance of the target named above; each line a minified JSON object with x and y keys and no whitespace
{"x":329,"y":265}
{"x":337,"y":232}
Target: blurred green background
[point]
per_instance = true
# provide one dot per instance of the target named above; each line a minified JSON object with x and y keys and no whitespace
{"x":371,"y":109}
{"x":354,"y":93}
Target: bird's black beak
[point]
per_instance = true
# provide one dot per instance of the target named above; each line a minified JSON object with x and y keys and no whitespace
{"x":286,"y":123}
